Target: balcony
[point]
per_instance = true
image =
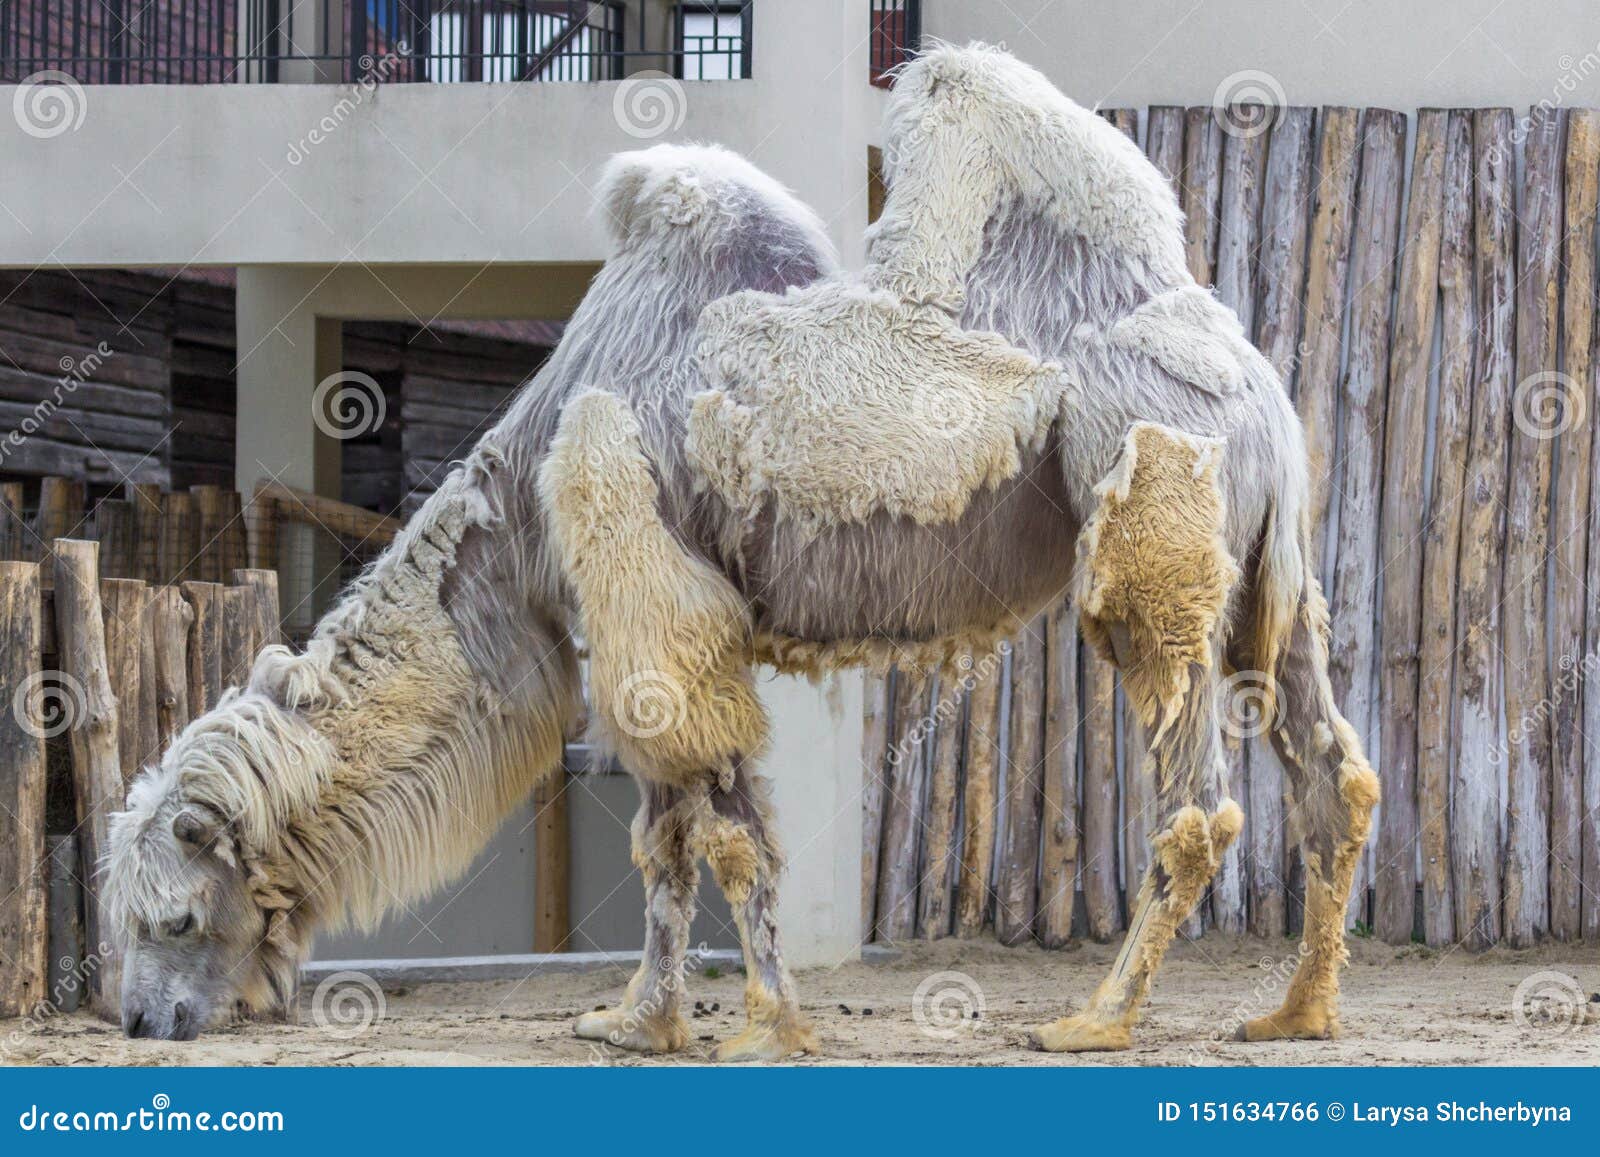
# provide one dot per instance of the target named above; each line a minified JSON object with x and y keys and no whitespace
{"x":370,"y":41}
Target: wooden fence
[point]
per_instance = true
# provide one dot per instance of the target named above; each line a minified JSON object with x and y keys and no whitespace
{"x":1437,"y":338}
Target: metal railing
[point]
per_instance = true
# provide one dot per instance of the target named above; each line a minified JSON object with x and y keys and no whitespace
{"x":896,"y":32}
{"x":349,"y":41}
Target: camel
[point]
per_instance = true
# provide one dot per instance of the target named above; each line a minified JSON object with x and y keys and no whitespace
{"x":740,"y":454}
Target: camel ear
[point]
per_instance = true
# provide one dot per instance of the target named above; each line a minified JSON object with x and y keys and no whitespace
{"x":191,"y":826}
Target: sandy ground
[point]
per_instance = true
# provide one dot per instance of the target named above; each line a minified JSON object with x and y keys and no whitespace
{"x":1402,"y":1006}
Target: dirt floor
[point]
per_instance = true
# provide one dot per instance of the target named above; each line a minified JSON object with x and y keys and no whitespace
{"x":1402,"y":1006}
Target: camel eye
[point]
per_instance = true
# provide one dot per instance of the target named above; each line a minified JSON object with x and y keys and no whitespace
{"x":180,"y":926}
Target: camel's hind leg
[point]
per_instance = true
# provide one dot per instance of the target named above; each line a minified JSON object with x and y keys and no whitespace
{"x":649,"y":1019}
{"x":1153,"y":581}
{"x":1334,"y":791}
{"x":738,"y":842}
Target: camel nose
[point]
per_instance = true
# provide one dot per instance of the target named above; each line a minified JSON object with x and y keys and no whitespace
{"x":134,"y":1024}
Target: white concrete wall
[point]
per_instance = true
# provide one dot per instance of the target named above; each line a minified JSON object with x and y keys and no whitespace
{"x":1402,"y":54}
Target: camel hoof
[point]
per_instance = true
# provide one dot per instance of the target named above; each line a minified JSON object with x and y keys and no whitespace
{"x":1080,"y":1034}
{"x":767,"y":1043}
{"x":630,"y":1029}
{"x":1285,"y":1025}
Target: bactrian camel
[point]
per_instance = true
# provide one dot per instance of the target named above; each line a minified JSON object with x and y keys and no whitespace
{"x":741,"y":454}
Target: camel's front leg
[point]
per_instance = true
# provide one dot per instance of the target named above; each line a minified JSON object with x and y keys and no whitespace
{"x":649,"y":1019}
{"x":739,"y":844}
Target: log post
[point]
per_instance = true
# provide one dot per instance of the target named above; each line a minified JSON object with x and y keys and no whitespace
{"x":13,"y":530}
{"x":897,"y":867}
{"x":1202,"y":187}
{"x":552,"y":851}
{"x":1571,"y":533}
{"x":145,"y":497}
{"x":939,"y":857}
{"x":114,"y":531}
{"x":173,"y":616}
{"x":1058,"y":874}
{"x":24,"y":897}
{"x":208,"y":565}
{"x":205,"y":646}
{"x":1441,"y":542}
{"x":122,"y":602}
{"x":1534,"y":414}
{"x":264,"y":585}
{"x":180,"y":538}
{"x":60,"y":511}
{"x":874,"y":752}
{"x":1401,"y":534}
{"x":96,"y":763}
{"x":236,"y":606}
{"x":1101,"y":890}
{"x":981,"y":795}
{"x":1475,"y":807}
{"x":1017,"y":886}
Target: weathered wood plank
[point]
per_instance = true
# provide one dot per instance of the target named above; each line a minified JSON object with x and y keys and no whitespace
{"x":902,"y":810}
{"x":874,"y":754}
{"x":1327,"y":270}
{"x":1285,"y":240}
{"x":940,"y":851}
{"x":180,"y":537}
{"x":1527,"y":619}
{"x":1058,"y":875}
{"x":14,"y":530}
{"x":238,"y":634}
{"x":1441,"y":542}
{"x":24,"y":897}
{"x":147,"y":522}
{"x":552,"y":851}
{"x":981,"y":796}
{"x":1570,"y":532}
{"x":208,"y":515}
{"x":173,"y":617}
{"x":1352,"y":641}
{"x":122,"y":603}
{"x":1101,"y":891}
{"x":1475,"y":806}
{"x":1202,"y":188}
{"x":1017,"y":886}
{"x":1400,"y":540}
{"x":205,"y":646}
{"x":96,"y":764}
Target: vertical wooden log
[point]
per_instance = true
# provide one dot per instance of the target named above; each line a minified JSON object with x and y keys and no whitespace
{"x":205,"y":646}
{"x":902,"y":809}
{"x":1400,"y":534}
{"x":24,"y":898}
{"x":1327,"y":270}
{"x":940,"y":851}
{"x":1058,"y":879}
{"x":1591,"y":699}
{"x":122,"y":602}
{"x":13,"y":530}
{"x":874,"y":756}
{"x":60,"y":513}
{"x":149,"y":741}
{"x":1202,"y":188}
{"x":173,"y":617}
{"x":114,"y":531}
{"x":231,"y":547}
{"x":552,"y":851}
{"x":67,"y":965}
{"x":1164,"y":143}
{"x":145,"y":498}
{"x":1442,"y":533}
{"x":1101,"y":898}
{"x":1475,"y":806}
{"x":1571,"y":532}
{"x":96,"y":764}
{"x":180,"y":538}
{"x":981,"y":795}
{"x":1017,"y":888}
{"x":1244,"y":154}
{"x":208,"y":518}
{"x":236,"y":606}
{"x":263,"y":584}
{"x":261,"y":532}
{"x":1534,"y":414}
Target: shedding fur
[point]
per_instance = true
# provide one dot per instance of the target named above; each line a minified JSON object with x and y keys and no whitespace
{"x":668,"y":636}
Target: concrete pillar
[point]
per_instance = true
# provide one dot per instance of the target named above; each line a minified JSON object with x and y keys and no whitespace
{"x":284,"y":351}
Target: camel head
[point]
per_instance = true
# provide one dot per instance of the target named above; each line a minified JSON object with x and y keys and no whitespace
{"x":205,"y":934}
